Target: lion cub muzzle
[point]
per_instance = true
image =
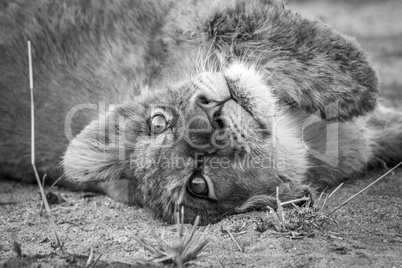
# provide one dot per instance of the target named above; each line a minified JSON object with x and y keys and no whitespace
{"x":218,"y":123}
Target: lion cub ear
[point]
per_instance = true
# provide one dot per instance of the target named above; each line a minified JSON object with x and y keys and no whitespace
{"x":102,"y":151}
{"x":307,"y":64}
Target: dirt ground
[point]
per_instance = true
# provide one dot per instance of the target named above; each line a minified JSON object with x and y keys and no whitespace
{"x":365,"y":233}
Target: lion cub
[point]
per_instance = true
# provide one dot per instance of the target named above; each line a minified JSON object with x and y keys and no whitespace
{"x":211,"y":105}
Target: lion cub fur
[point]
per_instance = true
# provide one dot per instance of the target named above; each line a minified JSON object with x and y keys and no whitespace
{"x":291,"y":91}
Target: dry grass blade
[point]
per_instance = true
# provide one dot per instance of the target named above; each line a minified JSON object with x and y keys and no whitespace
{"x":329,"y":196}
{"x":296,"y":207}
{"x":280,"y":210}
{"x":90,"y":258}
{"x":193,"y":255}
{"x":163,"y":246}
{"x":145,"y":244}
{"x":321,"y":194}
{"x":277,"y":223}
{"x":295,"y":201}
{"x":334,"y":191}
{"x":237,"y":243}
{"x":58,"y":243}
{"x":91,"y":262}
{"x":96,"y":261}
{"x":365,"y":188}
{"x":188,"y":247}
{"x":187,"y":239}
{"x":179,"y":220}
{"x":48,"y":190}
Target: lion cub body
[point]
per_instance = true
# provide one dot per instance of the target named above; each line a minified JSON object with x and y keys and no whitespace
{"x":207,"y":104}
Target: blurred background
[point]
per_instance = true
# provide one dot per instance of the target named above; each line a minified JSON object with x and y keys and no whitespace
{"x":377,"y":26}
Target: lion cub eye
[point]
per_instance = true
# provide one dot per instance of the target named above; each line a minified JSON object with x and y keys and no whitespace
{"x":159,"y":121}
{"x":198,"y":185}
{"x":158,"y":124}
{"x":201,"y":186}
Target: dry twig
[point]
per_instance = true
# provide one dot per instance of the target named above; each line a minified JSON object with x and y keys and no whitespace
{"x":365,"y":188}
{"x":58,"y":243}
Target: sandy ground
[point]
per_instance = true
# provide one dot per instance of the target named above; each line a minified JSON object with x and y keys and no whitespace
{"x":365,"y":233}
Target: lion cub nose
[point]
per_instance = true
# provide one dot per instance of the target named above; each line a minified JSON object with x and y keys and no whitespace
{"x":212,"y":109}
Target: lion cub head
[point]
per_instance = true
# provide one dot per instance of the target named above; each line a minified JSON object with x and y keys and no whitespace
{"x":209,"y":144}
{"x":224,"y":140}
